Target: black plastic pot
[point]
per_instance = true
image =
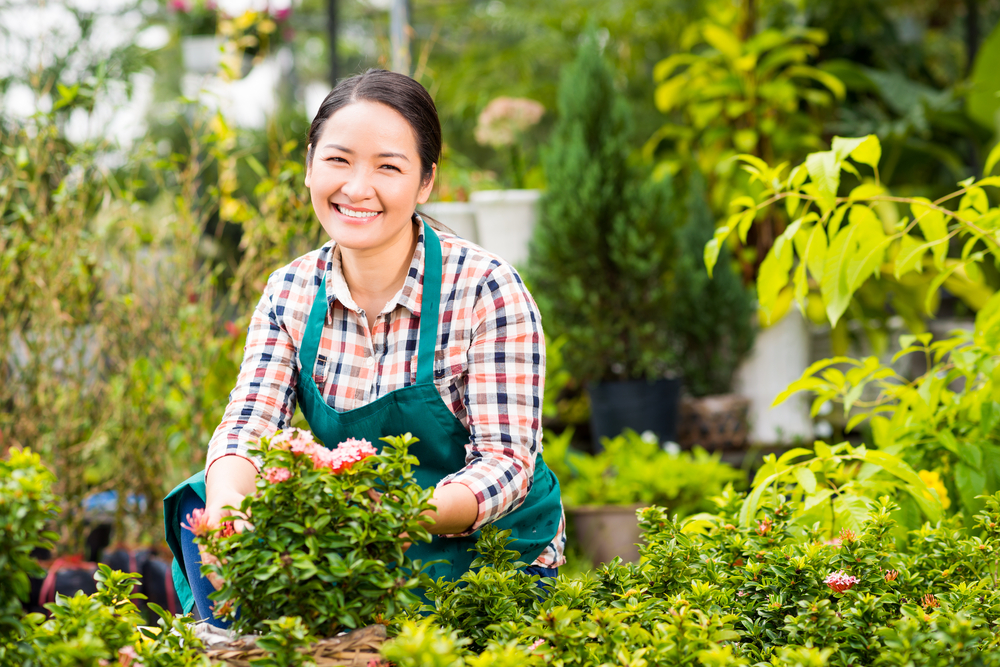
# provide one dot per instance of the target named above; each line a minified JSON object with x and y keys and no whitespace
{"x":635,"y":404}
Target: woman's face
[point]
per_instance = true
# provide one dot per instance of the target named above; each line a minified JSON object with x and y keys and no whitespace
{"x":364,"y":178}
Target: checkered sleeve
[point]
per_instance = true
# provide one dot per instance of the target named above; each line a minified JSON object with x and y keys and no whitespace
{"x":506,"y":370}
{"x":263,"y":400}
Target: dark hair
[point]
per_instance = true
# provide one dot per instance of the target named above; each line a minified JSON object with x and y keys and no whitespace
{"x":398,"y":92}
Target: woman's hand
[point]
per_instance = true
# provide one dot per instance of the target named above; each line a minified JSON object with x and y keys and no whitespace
{"x":227,"y":483}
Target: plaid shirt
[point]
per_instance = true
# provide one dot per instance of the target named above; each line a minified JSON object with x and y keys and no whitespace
{"x":489,"y":365}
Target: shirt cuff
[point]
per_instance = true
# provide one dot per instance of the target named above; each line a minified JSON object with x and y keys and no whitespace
{"x":254,"y":462}
{"x":481,"y":518}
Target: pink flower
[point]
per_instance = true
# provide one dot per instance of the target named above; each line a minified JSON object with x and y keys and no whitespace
{"x":276,"y":475}
{"x":292,"y":438}
{"x":536,"y":644}
{"x":505,"y":118}
{"x":840,"y":581}
{"x":350,"y":452}
{"x":197,"y":522}
{"x":282,"y":14}
{"x":180,"y":5}
{"x":126,"y":655}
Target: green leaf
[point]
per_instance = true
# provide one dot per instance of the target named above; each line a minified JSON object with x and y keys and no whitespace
{"x":970,"y":482}
{"x":746,"y":221}
{"x":910,"y":256}
{"x":713,"y":247}
{"x":845,"y":146}
{"x":834,"y":287}
{"x":868,"y":152}
{"x":824,"y":169}
{"x":749,"y":509}
{"x":815,"y":255}
{"x":772,"y":277}
{"x":806,"y":479}
{"x":992,"y":159}
{"x":934,"y":227}
{"x":897,"y":467}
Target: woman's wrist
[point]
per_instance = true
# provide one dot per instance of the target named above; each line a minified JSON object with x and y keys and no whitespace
{"x":228,"y":477}
{"x":456,"y":509}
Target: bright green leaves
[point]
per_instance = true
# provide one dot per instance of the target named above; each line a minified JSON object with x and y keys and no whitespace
{"x":824,"y":170}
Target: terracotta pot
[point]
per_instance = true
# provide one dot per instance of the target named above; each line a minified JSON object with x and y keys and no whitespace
{"x":606,"y":531}
{"x":714,"y":422}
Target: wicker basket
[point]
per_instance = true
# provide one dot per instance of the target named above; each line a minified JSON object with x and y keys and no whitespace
{"x":714,"y":422}
{"x":355,"y":649}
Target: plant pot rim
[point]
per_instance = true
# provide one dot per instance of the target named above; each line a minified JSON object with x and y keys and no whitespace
{"x":607,"y":509}
{"x":504,"y":196}
{"x":454,"y":206}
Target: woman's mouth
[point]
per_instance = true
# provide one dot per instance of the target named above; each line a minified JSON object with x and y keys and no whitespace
{"x":354,"y":214}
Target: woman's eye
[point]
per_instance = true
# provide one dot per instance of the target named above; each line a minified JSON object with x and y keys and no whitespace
{"x":390,"y":166}
{"x":336,"y":158}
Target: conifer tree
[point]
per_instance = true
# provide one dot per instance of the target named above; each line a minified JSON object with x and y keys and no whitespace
{"x":603,"y":246}
{"x":710,"y":315}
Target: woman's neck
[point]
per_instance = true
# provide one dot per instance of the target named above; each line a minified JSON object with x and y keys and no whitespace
{"x":374,"y":276}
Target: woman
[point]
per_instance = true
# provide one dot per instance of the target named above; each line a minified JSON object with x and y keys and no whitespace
{"x":391,"y":328}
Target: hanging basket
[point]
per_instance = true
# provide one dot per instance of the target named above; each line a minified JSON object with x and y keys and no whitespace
{"x":714,"y":422}
{"x":355,"y":649}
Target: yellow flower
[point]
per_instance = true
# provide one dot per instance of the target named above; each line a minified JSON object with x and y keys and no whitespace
{"x":933,"y":480}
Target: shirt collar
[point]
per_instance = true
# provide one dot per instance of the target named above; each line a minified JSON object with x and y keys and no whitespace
{"x":409,"y":296}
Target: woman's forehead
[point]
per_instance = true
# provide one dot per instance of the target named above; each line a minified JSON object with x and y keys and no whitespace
{"x":369,"y":126}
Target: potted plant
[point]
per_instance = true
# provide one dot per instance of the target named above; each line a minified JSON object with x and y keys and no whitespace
{"x":603,"y":491}
{"x":712,"y":326}
{"x":456,"y":178}
{"x":601,"y":257}
{"x":505,"y":219}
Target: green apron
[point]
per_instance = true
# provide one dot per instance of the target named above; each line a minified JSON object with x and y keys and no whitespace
{"x":417,"y":409}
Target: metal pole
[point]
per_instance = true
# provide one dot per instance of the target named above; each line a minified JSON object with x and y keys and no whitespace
{"x":331,"y":31}
{"x":399,"y":36}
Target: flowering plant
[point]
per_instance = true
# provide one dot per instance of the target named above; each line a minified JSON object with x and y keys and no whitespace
{"x":330,"y":531}
{"x":503,"y":123}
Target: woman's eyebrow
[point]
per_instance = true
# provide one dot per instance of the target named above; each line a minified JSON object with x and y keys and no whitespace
{"x":344,"y":149}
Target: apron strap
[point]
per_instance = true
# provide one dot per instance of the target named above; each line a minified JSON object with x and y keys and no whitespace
{"x":314,"y":331}
{"x":430,"y":305}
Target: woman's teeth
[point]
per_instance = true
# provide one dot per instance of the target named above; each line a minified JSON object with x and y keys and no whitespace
{"x":357,"y":214}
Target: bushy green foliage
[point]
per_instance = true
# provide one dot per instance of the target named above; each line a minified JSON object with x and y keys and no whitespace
{"x":710,"y":316}
{"x":631,"y":469}
{"x":328,"y":537}
{"x":711,"y":592}
{"x":603,"y":245}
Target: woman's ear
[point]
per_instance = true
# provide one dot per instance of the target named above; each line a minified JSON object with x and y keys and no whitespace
{"x":427,"y":186}
{"x":309,"y":151}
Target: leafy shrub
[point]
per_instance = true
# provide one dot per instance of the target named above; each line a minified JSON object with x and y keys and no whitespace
{"x":632,"y":470}
{"x":709,"y":591}
{"x":328,"y":539}
{"x":26,"y":507}
{"x":712,"y":340}
{"x":603,"y":245}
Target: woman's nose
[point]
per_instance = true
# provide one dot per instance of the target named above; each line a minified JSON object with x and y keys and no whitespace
{"x":358,"y":185}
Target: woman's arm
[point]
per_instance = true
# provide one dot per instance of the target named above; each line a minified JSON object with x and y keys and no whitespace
{"x":503,"y":397}
{"x":456,"y":508}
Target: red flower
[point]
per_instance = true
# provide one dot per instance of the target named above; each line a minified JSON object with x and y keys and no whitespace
{"x":840,"y":581}
{"x":891,"y":575}
{"x":197,"y":522}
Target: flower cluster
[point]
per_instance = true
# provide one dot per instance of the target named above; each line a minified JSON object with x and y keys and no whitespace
{"x":506,"y":118}
{"x":336,"y":460}
{"x":840,"y":581}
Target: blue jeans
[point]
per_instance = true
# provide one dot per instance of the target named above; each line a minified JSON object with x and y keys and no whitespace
{"x":201,"y":587}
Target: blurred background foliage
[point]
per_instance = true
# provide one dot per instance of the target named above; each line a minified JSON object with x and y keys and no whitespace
{"x":132,"y":249}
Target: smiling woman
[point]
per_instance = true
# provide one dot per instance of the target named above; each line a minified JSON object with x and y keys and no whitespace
{"x":391,"y":327}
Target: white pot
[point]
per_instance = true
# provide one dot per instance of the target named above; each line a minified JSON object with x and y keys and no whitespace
{"x":458,"y":216}
{"x":779,"y":357}
{"x":201,"y":53}
{"x":505,"y":220}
